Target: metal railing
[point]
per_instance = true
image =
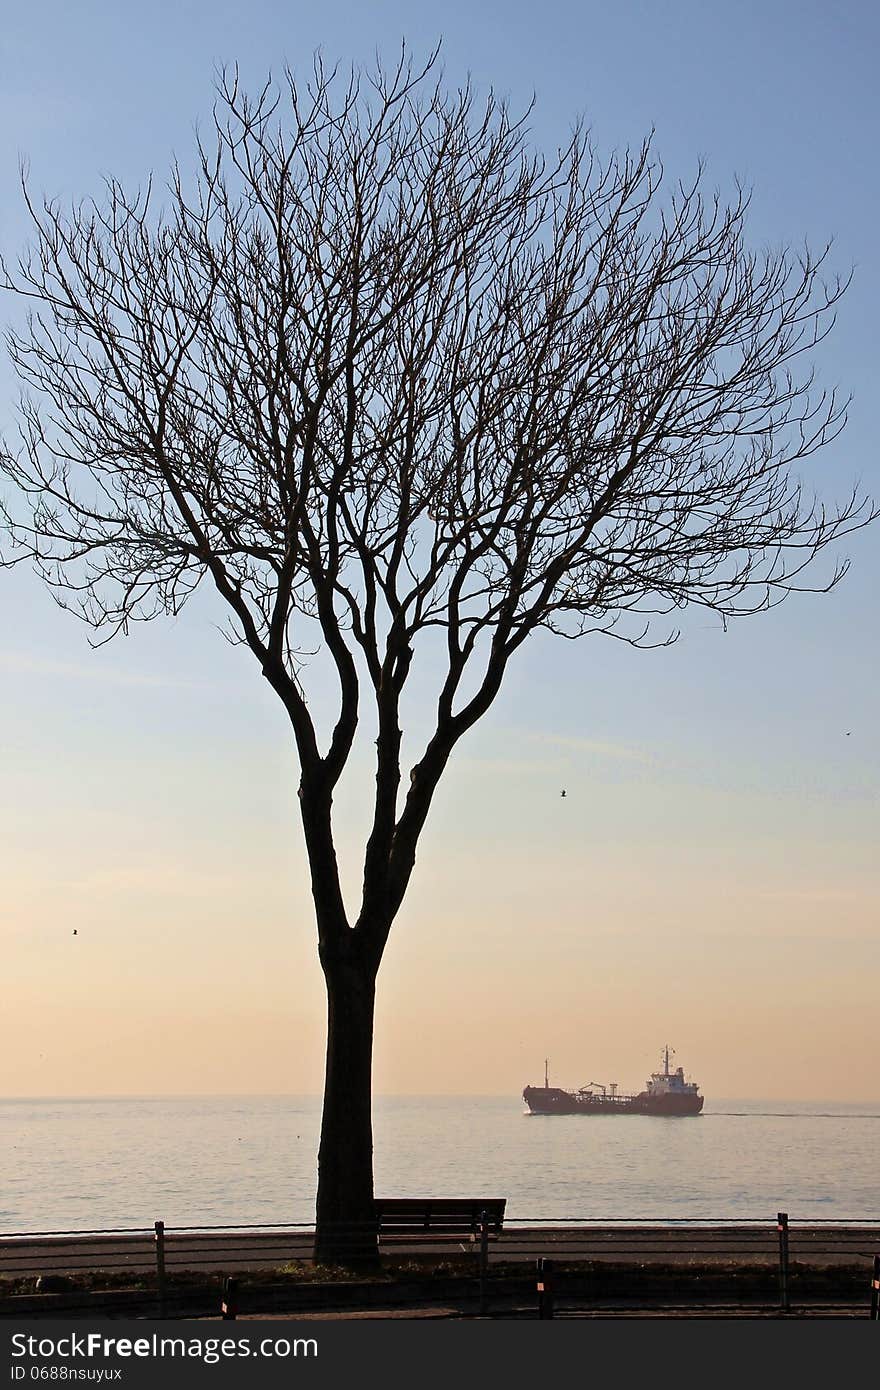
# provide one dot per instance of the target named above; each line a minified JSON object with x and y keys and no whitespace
{"x":784,"y":1263}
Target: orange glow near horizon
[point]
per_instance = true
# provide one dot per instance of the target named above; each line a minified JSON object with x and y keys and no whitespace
{"x":194,"y":968}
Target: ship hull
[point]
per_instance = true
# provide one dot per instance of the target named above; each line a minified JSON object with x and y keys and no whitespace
{"x":550,"y":1100}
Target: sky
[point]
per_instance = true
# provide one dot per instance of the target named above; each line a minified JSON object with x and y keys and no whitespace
{"x":711,"y":879}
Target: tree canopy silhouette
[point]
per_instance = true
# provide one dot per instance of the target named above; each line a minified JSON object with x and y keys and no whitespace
{"x":376,"y":368}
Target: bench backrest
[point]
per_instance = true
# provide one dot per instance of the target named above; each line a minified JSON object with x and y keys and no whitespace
{"x":442,"y":1215}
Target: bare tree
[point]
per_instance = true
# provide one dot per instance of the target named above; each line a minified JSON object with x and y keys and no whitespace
{"x":376,"y":368}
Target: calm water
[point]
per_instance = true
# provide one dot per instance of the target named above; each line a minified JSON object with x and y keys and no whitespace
{"x":75,"y":1164}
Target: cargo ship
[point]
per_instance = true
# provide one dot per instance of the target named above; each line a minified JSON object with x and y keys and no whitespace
{"x":666,"y":1093}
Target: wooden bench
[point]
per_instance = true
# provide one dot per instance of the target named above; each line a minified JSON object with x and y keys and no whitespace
{"x":430,"y":1221}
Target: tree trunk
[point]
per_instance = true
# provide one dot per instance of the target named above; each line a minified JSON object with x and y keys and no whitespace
{"x":345,"y":1231}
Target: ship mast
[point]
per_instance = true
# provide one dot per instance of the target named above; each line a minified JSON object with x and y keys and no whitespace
{"x":666,"y":1060}
{"x":546,"y":1076}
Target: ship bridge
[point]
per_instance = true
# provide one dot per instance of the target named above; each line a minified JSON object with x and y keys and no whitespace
{"x":666,"y":1082}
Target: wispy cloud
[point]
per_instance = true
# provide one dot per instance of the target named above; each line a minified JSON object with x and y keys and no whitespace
{"x":162,"y":879}
{"x":623,"y":752}
{"x":25,"y":664}
{"x":557,"y":748}
{"x":857,"y":894}
{"x":501,"y":763}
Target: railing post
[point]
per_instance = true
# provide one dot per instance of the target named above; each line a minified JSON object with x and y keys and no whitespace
{"x":875,"y":1290}
{"x":545,"y":1289}
{"x":229,"y":1306}
{"x":484,"y":1263}
{"x":782,"y":1228}
{"x":159,"y":1237}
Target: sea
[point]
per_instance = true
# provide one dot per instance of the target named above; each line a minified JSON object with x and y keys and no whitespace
{"x":90,"y":1164}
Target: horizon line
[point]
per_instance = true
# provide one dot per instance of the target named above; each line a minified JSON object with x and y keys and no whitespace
{"x":10,"y":1099}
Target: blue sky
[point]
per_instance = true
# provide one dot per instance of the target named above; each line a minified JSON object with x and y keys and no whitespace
{"x":745,"y":761}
